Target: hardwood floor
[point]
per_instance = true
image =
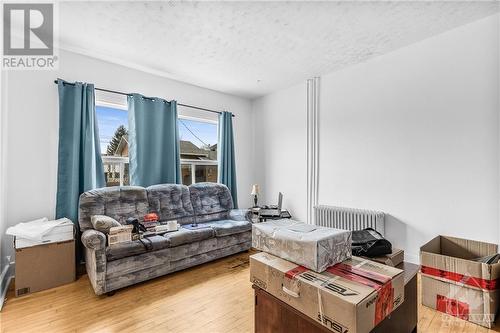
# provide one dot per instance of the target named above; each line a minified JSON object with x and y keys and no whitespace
{"x":215,"y":297}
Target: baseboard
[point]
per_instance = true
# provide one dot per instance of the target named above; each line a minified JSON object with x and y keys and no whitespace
{"x":5,"y":280}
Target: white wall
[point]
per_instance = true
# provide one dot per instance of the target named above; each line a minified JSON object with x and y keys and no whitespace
{"x":414,"y":133}
{"x":280,"y":144}
{"x":4,"y":261}
{"x":32,"y":139}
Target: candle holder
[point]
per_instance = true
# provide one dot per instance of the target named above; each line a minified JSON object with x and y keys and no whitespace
{"x":255,"y":193}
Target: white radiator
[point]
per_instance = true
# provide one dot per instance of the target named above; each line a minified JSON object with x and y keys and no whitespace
{"x":349,"y":218}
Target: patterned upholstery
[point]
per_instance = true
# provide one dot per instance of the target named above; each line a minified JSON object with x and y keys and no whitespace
{"x":119,"y":203}
{"x":186,"y":236}
{"x":210,"y":201}
{"x":171,"y":202}
{"x":229,"y":227}
{"x":241,"y":215}
{"x":113,"y":267}
{"x":127,"y":249}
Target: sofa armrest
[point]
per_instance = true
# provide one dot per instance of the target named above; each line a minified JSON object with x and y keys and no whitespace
{"x":94,"y":243}
{"x":93,"y":239}
{"x":240,"y":215}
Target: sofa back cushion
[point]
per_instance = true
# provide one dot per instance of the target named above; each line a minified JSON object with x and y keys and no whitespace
{"x":171,"y":202}
{"x":117,"y":202}
{"x":210,"y":201}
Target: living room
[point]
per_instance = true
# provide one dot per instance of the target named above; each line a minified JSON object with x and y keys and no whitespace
{"x":339,"y":115}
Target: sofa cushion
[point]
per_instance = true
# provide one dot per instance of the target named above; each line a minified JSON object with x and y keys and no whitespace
{"x":211,"y":201}
{"x":127,"y":249}
{"x":171,"y":202}
{"x":185,"y":236}
{"x":229,"y":227}
{"x":118,"y":202}
{"x":103,"y":223}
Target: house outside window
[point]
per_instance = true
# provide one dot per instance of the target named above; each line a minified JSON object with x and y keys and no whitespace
{"x":198,"y":146}
{"x":198,"y":165}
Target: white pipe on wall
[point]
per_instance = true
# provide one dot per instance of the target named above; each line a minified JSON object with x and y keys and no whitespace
{"x":312,"y":146}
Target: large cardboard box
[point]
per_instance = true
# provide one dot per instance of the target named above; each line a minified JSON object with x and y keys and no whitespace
{"x":308,"y":245}
{"x":353,"y":296}
{"x":44,"y":266}
{"x":453,"y":283}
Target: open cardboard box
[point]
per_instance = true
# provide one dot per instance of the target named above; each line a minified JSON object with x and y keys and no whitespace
{"x":453,"y":283}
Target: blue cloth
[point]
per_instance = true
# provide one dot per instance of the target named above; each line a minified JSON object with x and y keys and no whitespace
{"x":154,"y":152}
{"x":227,"y":166}
{"x":79,"y":158}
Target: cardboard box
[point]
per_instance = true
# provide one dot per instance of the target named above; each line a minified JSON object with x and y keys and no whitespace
{"x":395,"y":258}
{"x":353,"y":296}
{"x":453,"y":283}
{"x":44,"y":266}
{"x":120,"y":234}
{"x":308,"y":245}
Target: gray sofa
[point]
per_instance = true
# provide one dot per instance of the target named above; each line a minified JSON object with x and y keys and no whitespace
{"x":112,"y":267}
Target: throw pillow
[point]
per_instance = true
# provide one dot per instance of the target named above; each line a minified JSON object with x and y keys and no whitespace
{"x":103,"y":223}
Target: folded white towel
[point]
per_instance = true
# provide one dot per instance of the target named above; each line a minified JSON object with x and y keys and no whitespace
{"x":35,"y":230}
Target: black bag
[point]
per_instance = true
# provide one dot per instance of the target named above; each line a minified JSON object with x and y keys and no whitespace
{"x":369,"y":243}
{"x":138,"y":229}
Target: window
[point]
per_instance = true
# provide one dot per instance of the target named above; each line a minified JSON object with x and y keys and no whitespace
{"x":113,"y":138}
{"x":198,"y":144}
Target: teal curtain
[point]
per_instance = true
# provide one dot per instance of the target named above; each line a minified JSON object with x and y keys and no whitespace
{"x":227,"y":166}
{"x":79,"y":165}
{"x":154,"y":152}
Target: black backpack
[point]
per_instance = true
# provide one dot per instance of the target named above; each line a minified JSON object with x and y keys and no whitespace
{"x":369,"y":243}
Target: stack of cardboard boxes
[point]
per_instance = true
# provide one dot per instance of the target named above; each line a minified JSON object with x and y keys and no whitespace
{"x":348,"y":294}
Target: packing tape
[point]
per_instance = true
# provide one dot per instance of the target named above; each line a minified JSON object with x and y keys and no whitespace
{"x":353,"y":277}
{"x":461,"y":278}
{"x":295,"y":271}
{"x":362,"y":272}
{"x":381,"y":283}
{"x":452,"y":307}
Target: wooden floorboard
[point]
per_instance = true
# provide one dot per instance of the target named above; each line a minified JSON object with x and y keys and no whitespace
{"x":214,"y":297}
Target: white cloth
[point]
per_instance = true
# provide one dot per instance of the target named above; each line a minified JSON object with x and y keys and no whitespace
{"x":36,"y":229}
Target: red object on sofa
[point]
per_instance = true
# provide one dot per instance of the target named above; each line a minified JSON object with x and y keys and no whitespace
{"x":150,"y":217}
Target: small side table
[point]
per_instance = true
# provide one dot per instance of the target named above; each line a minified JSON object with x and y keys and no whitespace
{"x":256,"y":217}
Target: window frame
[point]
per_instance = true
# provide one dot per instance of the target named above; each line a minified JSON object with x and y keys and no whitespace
{"x":194,"y":163}
{"x":121,"y":161}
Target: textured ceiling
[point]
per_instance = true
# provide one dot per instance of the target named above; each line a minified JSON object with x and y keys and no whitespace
{"x":253,"y":48}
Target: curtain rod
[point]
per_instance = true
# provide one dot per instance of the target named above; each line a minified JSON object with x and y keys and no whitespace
{"x":127,"y":94}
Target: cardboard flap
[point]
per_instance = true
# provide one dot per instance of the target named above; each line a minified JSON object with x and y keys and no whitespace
{"x":454,"y":255}
{"x":494,"y":271}
{"x":466,"y":248}
{"x":459,"y":247}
